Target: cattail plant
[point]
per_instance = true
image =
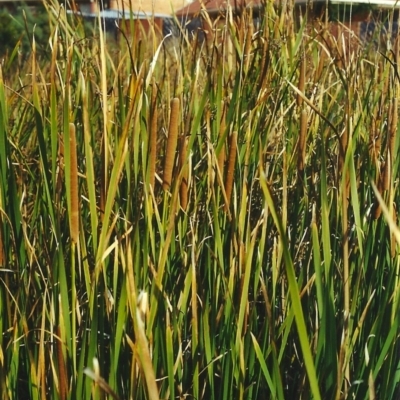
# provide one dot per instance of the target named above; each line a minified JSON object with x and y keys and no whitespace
{"x":273,"y":285}
{"x":171,"y":144}
{"x":230,"y":173}
{"x":301,"y":150}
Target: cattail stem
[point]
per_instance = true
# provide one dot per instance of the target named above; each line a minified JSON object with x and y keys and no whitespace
{"x":2,"y":252}
{"x":393,"y":127}
{"x":153,"y":140}
{"x":74,"y":216}
{"x":386,"y":173}
{"x":171,"y":144}
{"x":393,"y":241}
{"x":343,"y":144}
{"x":302,"y":79}
{"x":375,"y":139}
{"x":382,"y":177}
{"x":301,"y":157}
{"x":231,"y":168}
{"x":103,"y":182}
{"x":184,"y":168}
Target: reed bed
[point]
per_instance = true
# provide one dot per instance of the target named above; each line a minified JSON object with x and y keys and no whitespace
{"x":249,"y":262}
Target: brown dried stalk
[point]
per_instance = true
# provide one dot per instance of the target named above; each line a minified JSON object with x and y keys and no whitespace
{"x":171,"y":144}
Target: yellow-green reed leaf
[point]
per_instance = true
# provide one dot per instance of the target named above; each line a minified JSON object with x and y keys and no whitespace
{"x":294,"y":293}
{"x":220,"y":151}
{"x":170,"y":361}
{"x":3,"y":137}
{"x":171,"y":143}
{"x":387,"y":345}
{"x":300,"y":36}
{"x":234,"y":34}
{"x":154,"y":61}
{"x":248,"y":261}
{"x":325,"y":224}
{"x":394,"y":229}
{"x":184,"y":168}
{"x":302,"y":78}
{"x":194,"y":326}
{"x":41,"y":371}
{"x":198,"y":113}
{"x":73,"y":186}
{"x":53,"y":133}
{"x":86,"y":263}
{"x":263,"y":365}
{"x":163,"y":257}
{"x":35,"y":91}
{"x":208,"y":337}
{"x":355,"y":203}
{"x":89,"y":163}
{"x":359,"y":326}
{"x":103,"y":82}
{"x":3,"y":256}
{"x":317,"y":265}
{"x":153,"y":139}
{"x":33,"y":382}
{"x":120,"y":325}
{"x":141,"y":347}
{"x":119,"y":162}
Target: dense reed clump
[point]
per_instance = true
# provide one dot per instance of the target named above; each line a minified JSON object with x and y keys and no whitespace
{"x":200,"y":217}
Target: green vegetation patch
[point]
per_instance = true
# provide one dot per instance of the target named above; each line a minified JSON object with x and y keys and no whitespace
{"x":207,"y":219}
